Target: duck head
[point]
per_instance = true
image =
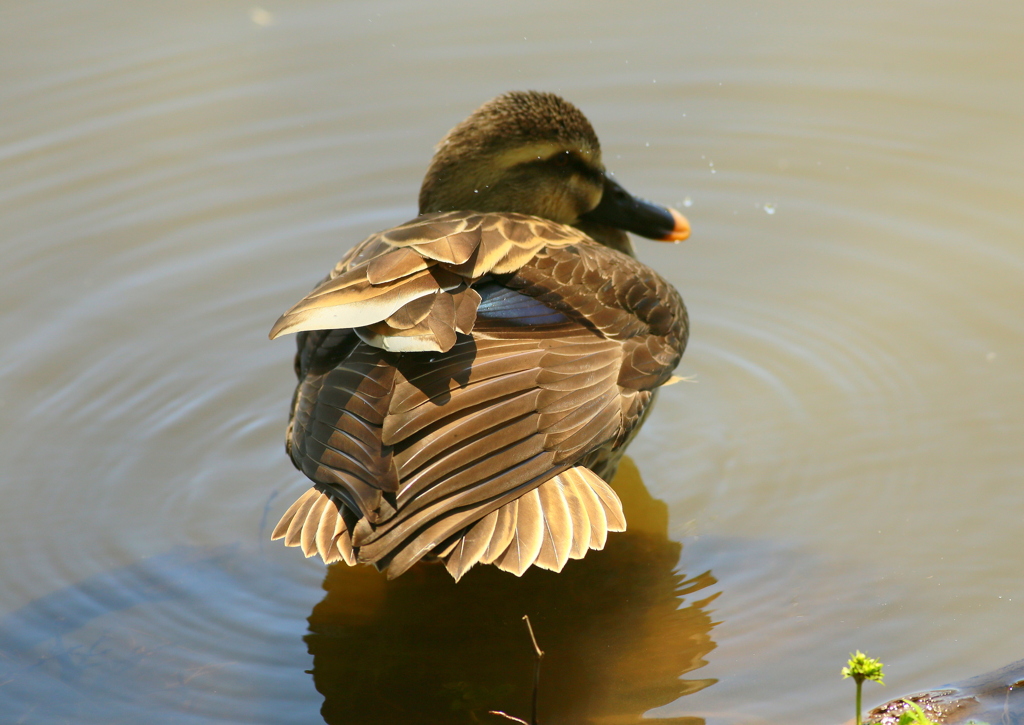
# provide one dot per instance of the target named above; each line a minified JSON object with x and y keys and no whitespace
{"x":534,"y":153}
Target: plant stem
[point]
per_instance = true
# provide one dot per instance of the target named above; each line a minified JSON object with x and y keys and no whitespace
{"x":536,"y":670}
{"x":860,"y":682}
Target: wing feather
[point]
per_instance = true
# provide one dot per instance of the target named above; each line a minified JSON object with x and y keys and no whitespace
{"x":285,"y":522}
{"x":311,"y":526}
{"x":432,"y":417}
{"x":472,"y":546}
{"x":609,"y":499}
{"x":577,"y":512}
{"x":556,"y":540}
{"x":356,"y":305}
{"x":434,"y":255}
{"x":394,"y":265}
{"x":479,"y":434}
{"x":293,"y":536}
{"x":504,"y":530}
{"x":527,"y":538}
{"x":403,"y":544}
{"x":595,"y":511}
{"x":343,"y":537}
{"x":327,"y":526}
{"x":466,"y":438}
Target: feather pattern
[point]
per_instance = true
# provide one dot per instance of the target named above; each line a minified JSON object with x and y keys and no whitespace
{"x":556,"y":529}
{"x":565,"y":526}
{"x":316,"y":523}
{"x":527,"y":538}
{"x":384,"y":277}
{"x":467,"y":381}
{"x":504,"y":530}
{"x":577,"y":513}
{"x":594,"y":510}
{"x":311,"y":525}
{"x":609,"y":500}
{"x":424,"y":451}
{"x":501,"y":303}
{"x":293,"y":534}
{"x":281,"y":530}
{"x":326,"y":527}
{"x":471,"y":546}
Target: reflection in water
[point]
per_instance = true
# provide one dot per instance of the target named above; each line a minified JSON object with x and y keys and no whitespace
{"x":170,"y":172}
{"x":618,"y":628}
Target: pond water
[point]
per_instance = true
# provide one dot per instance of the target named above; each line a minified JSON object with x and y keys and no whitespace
{"x":841,"y":470}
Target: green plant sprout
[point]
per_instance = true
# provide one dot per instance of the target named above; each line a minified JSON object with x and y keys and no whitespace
{"x":915,"y":715}
{"x":860,"y":668}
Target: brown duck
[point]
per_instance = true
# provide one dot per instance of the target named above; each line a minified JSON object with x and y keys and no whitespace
{"x":469,"y":380}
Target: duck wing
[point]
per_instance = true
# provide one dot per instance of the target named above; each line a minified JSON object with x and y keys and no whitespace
{"x":408,"y":288}
{"x":489,"y":450}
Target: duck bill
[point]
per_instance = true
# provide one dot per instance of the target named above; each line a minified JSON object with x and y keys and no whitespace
{"x":622,"y":210}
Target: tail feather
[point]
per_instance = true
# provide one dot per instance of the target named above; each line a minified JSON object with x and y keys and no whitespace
{"x":572,"y":512}
{"x":320,"y":524}
{"x":559,"y":520}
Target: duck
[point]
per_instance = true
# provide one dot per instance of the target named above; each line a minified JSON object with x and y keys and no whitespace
{"x":469,"y":380}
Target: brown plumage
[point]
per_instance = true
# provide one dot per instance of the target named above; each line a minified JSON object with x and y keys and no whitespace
{"x":469,"y":380}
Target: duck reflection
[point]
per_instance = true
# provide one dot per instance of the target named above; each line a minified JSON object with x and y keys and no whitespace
{"x":619,"y":629}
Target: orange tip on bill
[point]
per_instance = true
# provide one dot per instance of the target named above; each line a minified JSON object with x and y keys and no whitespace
{"x":681,"y":230}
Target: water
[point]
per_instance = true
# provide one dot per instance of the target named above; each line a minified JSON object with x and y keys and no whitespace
{"x":842,"y":471}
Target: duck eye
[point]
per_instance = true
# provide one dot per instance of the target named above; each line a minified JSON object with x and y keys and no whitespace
{"x":561,"y":159}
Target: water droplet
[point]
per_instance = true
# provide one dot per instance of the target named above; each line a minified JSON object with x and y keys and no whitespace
{"x":687,"y":202}
{"x":769,"y":209}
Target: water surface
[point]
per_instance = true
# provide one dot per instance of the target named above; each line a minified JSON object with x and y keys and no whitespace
{"x":841,"y":471}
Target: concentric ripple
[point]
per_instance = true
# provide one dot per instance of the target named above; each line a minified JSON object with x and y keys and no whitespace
{"x":841,"y":468}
